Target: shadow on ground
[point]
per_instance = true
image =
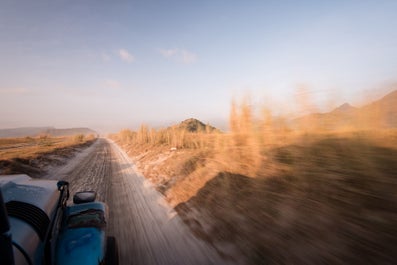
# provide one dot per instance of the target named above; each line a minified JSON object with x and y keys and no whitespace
{"x":334,"y":201}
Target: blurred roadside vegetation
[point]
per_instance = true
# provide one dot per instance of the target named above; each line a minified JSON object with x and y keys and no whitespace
{"x":267,"y":192}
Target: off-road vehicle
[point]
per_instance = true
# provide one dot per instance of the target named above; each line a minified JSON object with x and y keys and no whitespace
{"x":37,"y":226}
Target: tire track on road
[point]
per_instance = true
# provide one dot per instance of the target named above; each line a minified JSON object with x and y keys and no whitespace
{"x":147,"y":230}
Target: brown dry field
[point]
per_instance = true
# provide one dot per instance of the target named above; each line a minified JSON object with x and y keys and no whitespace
{"x":31,"y":155}
{"x":296,"y":198}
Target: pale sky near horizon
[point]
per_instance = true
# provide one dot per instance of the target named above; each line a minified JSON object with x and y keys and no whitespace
{"x":115,"y":64}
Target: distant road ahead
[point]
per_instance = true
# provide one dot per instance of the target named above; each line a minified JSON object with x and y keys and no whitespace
{"x":147,"y":230}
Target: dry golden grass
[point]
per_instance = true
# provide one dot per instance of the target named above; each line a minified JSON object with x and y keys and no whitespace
{"x":298,"y":199}
{"x":329,"y":198}
{"x":30,"y":154}
{"x":29,"y":147}
{"x":246,"y":150}
{"x":280,"y":195}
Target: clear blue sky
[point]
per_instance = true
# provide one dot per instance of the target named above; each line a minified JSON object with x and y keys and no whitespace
{"x":114,"y":64}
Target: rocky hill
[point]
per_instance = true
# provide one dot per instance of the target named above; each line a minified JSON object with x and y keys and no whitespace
{"x":194,"y":125}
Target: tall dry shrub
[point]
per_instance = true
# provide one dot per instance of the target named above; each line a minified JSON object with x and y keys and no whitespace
{"x":234,"y":117}
{"x":244,"y":148}
{"x":143,"y":134}
{"x":126,"y":136}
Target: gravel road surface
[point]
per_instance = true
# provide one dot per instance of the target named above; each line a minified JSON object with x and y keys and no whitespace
{"x":147,"y":230}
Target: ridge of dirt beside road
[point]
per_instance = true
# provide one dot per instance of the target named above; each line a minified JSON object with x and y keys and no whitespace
{"x":316,"y":199}
{"x":166,"y":168}
{"x":178,"y":175}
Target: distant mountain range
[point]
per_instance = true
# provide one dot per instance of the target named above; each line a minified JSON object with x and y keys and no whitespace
{"x":378,"y":114}
{"x":36,"y":131}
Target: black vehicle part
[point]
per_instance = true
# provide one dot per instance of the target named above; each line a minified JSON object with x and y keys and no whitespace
{"x":30,"y":214}
{"x":84,"y":196}
{"x":112,"y":251}
{"x":6,"y":252}
{"x":50,"y":242}
{"x":23,"y":252}
{"x":63,"y":186}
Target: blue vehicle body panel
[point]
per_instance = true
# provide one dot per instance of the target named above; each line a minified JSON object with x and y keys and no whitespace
{"x":82,"y":238}
{"x":81,"y":246}
{"x":38,"y":227}
{"x":77,"y":208}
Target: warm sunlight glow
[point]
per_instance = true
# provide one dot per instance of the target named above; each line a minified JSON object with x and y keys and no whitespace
{"x":198,"y":132}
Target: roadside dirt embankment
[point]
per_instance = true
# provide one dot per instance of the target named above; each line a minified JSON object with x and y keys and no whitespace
{"x":310,"y":199}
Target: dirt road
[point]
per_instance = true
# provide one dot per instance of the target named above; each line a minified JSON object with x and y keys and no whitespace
{"x":148,"y":231}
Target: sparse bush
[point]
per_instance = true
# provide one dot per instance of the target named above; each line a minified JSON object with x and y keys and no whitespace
{"x":44,"y":136}
{"x":45,"y":140}
{"x":172,"y":137}
{"x":79,"y":138}
{"x":29,"y":139}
